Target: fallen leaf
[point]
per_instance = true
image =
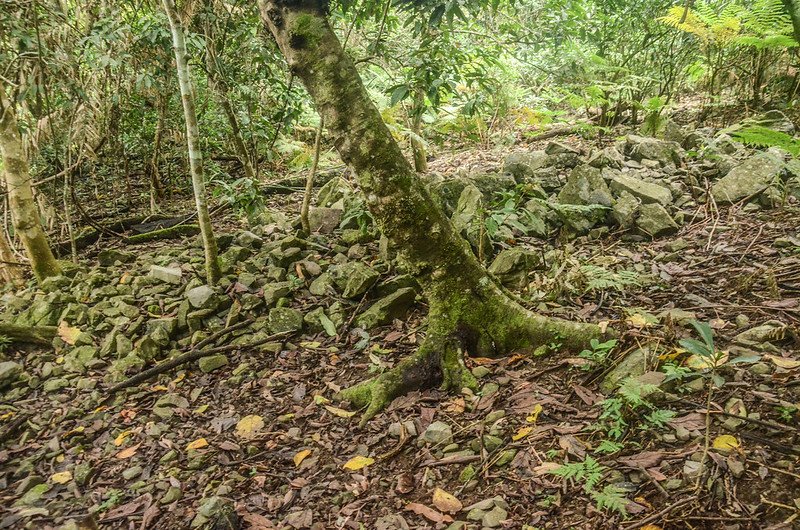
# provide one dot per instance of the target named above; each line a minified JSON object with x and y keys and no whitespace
{"x":782,"y":362}
{"x":127,"y":452}
{"x":522,"y":433}
{"x":534,"y":415}
{"x":68,"y":334}
{"x":652,"y":527}
{"x":725,"y":443}
{"x":299,"y":457}
{"x":358,"y":462}
{"x":197,"y":444}
{"x":637,"y":321}
{"x":699,"y":362}
{"x":248,"y":426}
{"x":340,"y":412}
{"x":428,"y":513}
{"x":61,"y":478}
{"x":120,"y":439}
{"x":446,"y":502}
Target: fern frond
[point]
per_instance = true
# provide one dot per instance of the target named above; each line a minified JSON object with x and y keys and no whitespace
{"x":760,"y":136}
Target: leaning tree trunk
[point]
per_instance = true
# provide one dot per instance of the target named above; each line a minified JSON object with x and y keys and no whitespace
{"x":469,"y":312}
{"x":213,"y":272}
{"x":24,"y":214}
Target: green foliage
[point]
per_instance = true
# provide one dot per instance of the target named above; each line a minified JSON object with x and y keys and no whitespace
{"x":630,"y":399}
{"x":507,"y":216}
{"x":602,"y":279}
{"x":590,"y":472}
{"x":760,"y":136}
{"x":611,"y":498}
{"x":243,"y":194}
{"x":5,"y":342}
{"x":599,"y":353}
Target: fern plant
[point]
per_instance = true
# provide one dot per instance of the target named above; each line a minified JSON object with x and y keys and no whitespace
{"x":760,"y":136}
{"x":590,"y":472}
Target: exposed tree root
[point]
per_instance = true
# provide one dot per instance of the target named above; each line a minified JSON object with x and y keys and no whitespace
{"x":492,"y":328}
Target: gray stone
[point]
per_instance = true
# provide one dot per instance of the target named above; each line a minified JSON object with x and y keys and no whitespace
{"x":647,"y":192}
{"x":555,"y":147}
{"x":248,"y":239}
{"x":166,"y":274}
{"x":212,"y":362}
{"x":640,"y":148}
{"x":110,"y":256}
{"x":333,"y":191}
{"x":382,"y":312}
{"x":10,"y":372}
{"x":513,"y":265}
{"x":749,"y":179}
{"x":274,"y":291}
{"x":608,"y":157}
{"x":524,"y":165}
{"x":438,"y":433}
{"x":353,"y":278}
{"x":324,"y":220}
{"x":202,"y":297}
{"x":655,"y":221}
{"x":468,"y":217}
{"x":495,"y":517}
{"x":635,"y":364}
{"x":585,"y":185}
{"x":625,"y":210}
{"x":284,"y":319}
{"x":79,"y":359}
{"x":321,"y":285}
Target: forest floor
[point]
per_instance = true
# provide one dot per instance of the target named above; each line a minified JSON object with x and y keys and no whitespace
{"x":265,"y":433}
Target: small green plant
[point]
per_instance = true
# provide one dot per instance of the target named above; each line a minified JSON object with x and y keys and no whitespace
{"x":507,"y":215}
{"x":602,"y":279}
{"x":590,"y":472}
{"x":787,"y":412}
{"x":357,"y":211}
{"x":609,"y":447}
{"x":598,"y":355}
{"x":760,"y":136}
{"x":5,"y":342}
{"x":630,"y":399}
{"x":243,"y":195}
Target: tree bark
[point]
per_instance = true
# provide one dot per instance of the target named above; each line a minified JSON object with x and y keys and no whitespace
{"x":24,"y":214}
{"x":156,"y":187}
{"x":417,"y":145}
{"x":10,"y":269}
{"x":469,"y":312}
{"x":213,"y":272}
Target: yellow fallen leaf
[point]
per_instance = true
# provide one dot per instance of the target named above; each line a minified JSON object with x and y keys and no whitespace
{"x":340,"y":412}
{"x":446,"y":502}
{"x":201,"y":409}
{"x":522,"y":433}
{"x":120,"y":439}
{"x":68,"y":334}
{"x":159,"y":388}
{"x":782,"y":362}
{"x":321,"y":400}
{"x":358,"y":462}
{"x":534,"y":415}
{"x":725,"y":443}
{"x":62,"y":477}
{"x":652,"y":527}
{"x":127,"y":452}
{"x":249,"y":426}
{"x":197,"y":444}
{"x":7,"y":416}
{"x":299,"y":457}
{"x":637,"y":321}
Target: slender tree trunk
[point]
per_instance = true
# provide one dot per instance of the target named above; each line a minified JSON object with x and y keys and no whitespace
{"x":469,"y":312}
{"x":793,"y":7}
{"x":220,"y":87}
{"x":417,"y":146}
{"x":306,"y":206}
{"x":10,"y":268}
{"x":213,"y":272}
{"x":24,"y":214}
{"x":156,"y":187}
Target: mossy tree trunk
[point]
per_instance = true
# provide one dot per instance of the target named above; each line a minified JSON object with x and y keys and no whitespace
{"x":24,"y":213}
{"x":213,"y":272}
{"x":469,"y":312}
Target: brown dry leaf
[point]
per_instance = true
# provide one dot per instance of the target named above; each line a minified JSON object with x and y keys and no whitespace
{"x":546,"y":468}
{"x":340,"y":412}
{"x":67,"y":333}
{"x":127,"y":452}
{"x":299,"y":457}
{"x":197,"y":444}
{"x":446,"y":502}
{"x":783,"y":362}
{"x":405,"y":483}
{"x":249,"y":426}
{"x":428,"y":513}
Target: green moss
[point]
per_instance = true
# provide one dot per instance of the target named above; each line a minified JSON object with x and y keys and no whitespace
{"x":307,"y":31}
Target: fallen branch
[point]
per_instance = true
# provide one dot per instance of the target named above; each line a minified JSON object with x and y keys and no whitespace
{"x":165,"y":233}
{"x":188,"y":357}
{"x":42,"y":335}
